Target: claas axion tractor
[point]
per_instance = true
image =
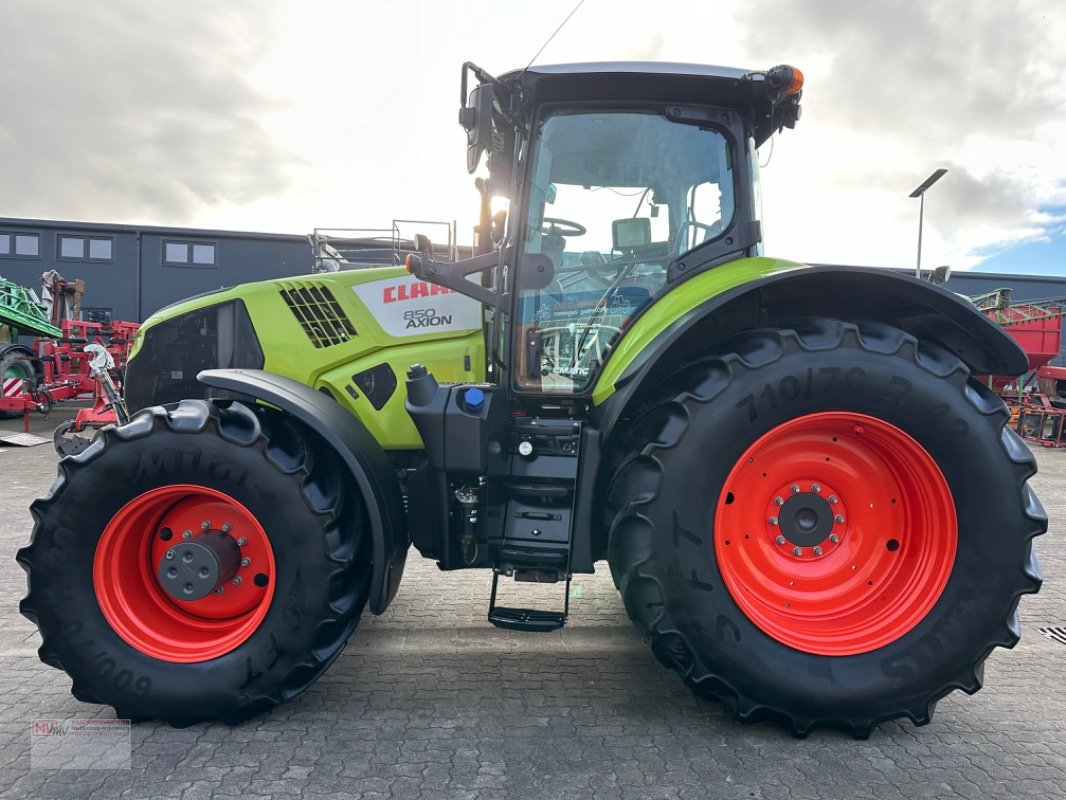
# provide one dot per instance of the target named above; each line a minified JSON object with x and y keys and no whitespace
{"x":811,"y":509}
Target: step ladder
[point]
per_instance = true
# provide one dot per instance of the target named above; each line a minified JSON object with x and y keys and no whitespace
{"x":530,"y":620}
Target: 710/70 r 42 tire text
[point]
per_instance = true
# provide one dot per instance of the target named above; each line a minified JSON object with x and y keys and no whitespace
{"x":826,"y":525}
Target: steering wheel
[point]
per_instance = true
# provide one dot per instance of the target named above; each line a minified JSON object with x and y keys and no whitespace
{"x":562,"y":227}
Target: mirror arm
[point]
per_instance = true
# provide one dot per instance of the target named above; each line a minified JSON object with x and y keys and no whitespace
{"x":454,"y":275}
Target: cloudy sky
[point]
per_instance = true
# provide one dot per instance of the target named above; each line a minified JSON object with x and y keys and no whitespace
{"x":269,"y":115}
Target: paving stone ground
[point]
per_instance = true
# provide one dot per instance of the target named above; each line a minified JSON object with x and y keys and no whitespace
{"x":428,"y":701}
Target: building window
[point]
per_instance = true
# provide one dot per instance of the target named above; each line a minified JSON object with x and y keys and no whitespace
{"x":82,"y":248}
{"x":20,"y":245}
{"x":189,"y":254}
{"x":100,"y":249}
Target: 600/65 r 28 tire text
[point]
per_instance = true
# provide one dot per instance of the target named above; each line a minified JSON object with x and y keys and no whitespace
{"x":825,"y":526}
{"x":201,"y":562}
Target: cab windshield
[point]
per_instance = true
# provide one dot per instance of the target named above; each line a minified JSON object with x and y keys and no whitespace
{"x":615,"y":196}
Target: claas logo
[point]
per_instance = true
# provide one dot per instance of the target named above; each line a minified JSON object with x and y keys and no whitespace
{"x":412,"y":291}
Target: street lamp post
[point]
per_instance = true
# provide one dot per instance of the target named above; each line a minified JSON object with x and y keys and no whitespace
{"x":920,"y":192}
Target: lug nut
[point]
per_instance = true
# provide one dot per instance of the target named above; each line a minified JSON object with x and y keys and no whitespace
{"x":242,"y":542}
{"x":817,"y":550}
{"x":797,"y":551}
{"x":832,"y":499}
{"x":245,"y":562}
{"x":839,"y":518}
{"x":780,"y":540}
{"x":815,"y":488}
{"x":794,"y":489}
{"x":169,"y":555}
{"x":226,"y":527}
{"x":186,"y":534}
{"x":834,"y":538}
{"x":236,"y":581}
{"x":773,"y":520}
{"x":205,"y":525}
{"x":778,"y":501}
{"x":218,"y":590}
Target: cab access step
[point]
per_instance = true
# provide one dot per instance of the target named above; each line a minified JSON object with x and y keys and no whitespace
{"x":529,"y":620}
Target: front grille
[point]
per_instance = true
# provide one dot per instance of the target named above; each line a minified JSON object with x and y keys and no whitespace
{"x":319,"y":314}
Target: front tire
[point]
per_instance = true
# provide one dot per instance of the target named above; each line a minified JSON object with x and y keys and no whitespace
{"x":201,"y":562}
{"x":826,"y":526}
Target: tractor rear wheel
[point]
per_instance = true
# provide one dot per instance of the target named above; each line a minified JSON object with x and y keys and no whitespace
{"x":200,"y":562}
{"x":827,"y":526}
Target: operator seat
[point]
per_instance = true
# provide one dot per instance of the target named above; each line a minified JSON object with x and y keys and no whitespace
{"x":553,"y":245}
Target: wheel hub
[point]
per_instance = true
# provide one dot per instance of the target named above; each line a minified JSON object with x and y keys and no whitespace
{"x":194,"y":568}
{"x":806,"y":519}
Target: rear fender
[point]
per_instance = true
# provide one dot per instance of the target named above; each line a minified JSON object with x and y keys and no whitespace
{"x":370,"y":468}
{"x":928,"y":312}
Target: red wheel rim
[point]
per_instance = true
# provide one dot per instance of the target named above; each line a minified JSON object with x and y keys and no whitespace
{"x":835,"y":533}
{"x":129,"y":580}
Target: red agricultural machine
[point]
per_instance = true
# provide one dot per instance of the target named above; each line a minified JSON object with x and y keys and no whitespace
{"x":69,"y":359}
{"x":1037,"y":399}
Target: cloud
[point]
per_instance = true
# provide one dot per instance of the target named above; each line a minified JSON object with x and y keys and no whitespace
{"x":935,"y":70}
{"x":909,"y":85}
{"x":134,"y":111}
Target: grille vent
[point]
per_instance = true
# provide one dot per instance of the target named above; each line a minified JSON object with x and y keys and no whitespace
{"x":319,"y":314}
{"x":1054,"y":634}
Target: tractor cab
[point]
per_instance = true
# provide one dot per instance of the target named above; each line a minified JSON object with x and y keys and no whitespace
{"x":619,"y":180}
{"x":608,"y":185}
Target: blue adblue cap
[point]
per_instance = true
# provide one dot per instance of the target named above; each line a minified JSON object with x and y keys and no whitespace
{"x":473,"y":399}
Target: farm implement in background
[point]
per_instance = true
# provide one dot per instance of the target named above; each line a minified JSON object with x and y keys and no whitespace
{"x":69,"y":359}
{"x":1036,"y":399}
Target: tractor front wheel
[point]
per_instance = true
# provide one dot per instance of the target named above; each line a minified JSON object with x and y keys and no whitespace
{"x":827,"y":525}
{"x":201,"y":562}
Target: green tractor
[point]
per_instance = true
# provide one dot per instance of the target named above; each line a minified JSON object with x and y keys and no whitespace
{"x":811,"y":509}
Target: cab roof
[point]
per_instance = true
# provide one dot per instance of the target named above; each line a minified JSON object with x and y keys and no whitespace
{"x":747,"y":91}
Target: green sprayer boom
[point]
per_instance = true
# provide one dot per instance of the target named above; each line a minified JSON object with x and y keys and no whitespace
{"x":20,"y":310}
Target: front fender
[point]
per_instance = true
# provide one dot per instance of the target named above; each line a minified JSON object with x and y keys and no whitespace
{"x":762,"y":292}
{"x":370,"y":468}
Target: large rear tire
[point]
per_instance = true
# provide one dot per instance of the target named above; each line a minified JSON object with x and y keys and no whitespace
{"x":826,"y":526}
{"x":243,"y":511}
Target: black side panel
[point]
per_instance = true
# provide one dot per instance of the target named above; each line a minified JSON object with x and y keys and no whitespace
{"x":369,"y":466}
{"x":851,"y":294}
{"x":174,"y":351}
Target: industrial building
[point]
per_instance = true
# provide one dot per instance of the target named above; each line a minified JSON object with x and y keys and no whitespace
{"x":131,"y":271}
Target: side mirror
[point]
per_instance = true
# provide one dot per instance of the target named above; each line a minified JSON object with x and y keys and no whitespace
{"x":940,"y":275}
{"x":424,"y":245}
{"x":476,"y":118}
{"x":536,"y":271}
